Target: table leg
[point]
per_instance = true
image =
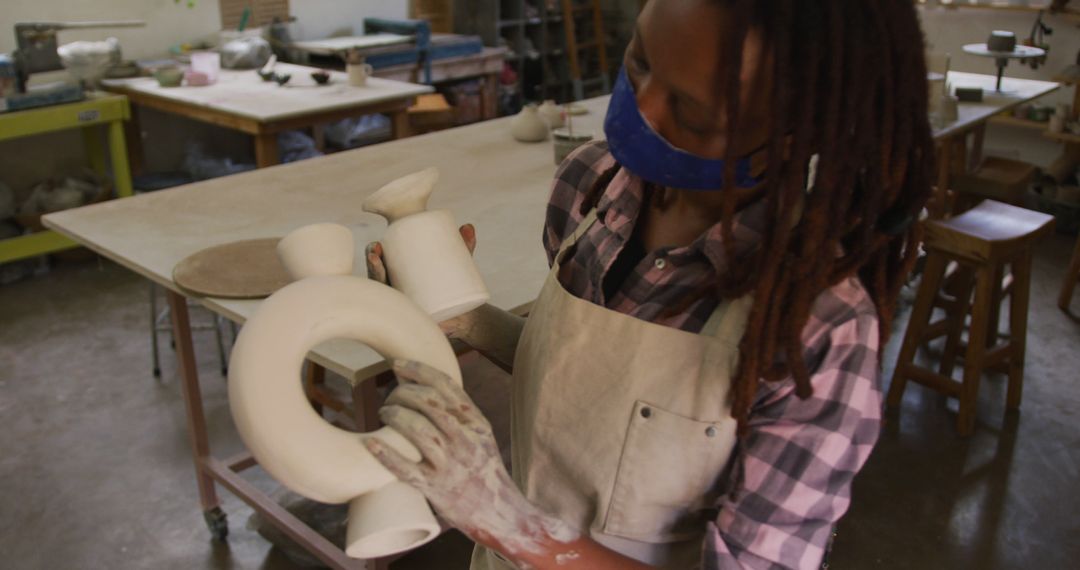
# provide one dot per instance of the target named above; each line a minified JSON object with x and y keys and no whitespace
{"x":133,"y":135}
{"x":399,"y":121}
{"x":266,"y":150}
{"x":940,"y":199}
{"x":489,"y":97}
{"x":366,"y":402}
{"x":118,"y":154}
{"x":196,"y":420}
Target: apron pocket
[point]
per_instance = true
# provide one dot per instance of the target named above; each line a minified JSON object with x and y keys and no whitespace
{"x":669,"y":475}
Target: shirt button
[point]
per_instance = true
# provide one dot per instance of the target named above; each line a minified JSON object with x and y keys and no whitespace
{"x":660,"y":263}
{"x":646,"y":412}
{"x":710,"y":431}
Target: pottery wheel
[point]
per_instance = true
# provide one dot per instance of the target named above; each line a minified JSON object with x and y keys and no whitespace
{"x":247,"y":269}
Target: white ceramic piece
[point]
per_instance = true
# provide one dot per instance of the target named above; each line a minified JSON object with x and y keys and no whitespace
{"x":358,"y":73}
{"x":318,"y":249}
{"x":300,"y":449}
{"x":425,"y":257}
{"x":552,"y":114}
{"x":527,"y":126}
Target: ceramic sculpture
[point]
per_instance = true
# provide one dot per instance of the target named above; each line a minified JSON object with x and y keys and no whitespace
{"x":426,"y":259}
{"x":527,"y":126}
{"x":552,"y":114}
{"x":289,"y":439}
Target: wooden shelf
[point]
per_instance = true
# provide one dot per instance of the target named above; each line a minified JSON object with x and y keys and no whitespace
{"x":1011,"y":121}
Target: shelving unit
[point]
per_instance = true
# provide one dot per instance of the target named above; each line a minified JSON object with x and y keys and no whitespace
{"x":91,"y":116}
{"x":1070,"y":139}
{"x":532,"y":31}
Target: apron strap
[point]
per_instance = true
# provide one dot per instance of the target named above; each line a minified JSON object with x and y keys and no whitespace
{"x":728,"y":321}
{"x":582,"y":227}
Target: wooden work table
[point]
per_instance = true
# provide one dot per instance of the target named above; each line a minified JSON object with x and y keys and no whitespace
{"x":242,"y":101}
{"x":487,"y":178}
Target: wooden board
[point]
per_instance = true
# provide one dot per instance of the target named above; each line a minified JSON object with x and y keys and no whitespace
{"x":243,"y":93}
{"x":248,"y":269}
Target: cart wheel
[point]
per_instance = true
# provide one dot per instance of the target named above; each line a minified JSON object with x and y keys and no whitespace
{"x":217,"y":523}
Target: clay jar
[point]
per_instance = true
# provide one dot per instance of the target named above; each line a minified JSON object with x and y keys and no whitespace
{"x":293,"y":442}
{"x":527,"y":126}
{"x":551,"y":114}
{"x":425,"y":257}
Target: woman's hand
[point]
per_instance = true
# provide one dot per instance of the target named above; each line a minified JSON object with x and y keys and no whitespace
{"x":376,"y":269}
{"x":461,"y":472}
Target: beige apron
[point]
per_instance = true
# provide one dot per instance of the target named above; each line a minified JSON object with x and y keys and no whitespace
{"x":622,"y":427}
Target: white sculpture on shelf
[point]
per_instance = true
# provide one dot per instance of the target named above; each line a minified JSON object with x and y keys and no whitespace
{"x":285,"y":435}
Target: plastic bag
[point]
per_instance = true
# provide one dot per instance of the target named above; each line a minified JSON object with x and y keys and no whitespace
{"x":202,"y":167}
{"x":245,"y":53}
{"x":349,"y":133}
{"x":295,"y":145}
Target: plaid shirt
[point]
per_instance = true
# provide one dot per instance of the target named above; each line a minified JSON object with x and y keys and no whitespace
{"x":799,"y":456}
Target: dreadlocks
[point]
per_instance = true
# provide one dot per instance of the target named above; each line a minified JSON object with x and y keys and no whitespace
{"x":850,"y":87}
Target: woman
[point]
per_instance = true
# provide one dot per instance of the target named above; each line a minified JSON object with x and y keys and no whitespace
{"x":697,"y":383}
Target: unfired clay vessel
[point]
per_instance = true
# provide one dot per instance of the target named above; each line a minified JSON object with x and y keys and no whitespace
{"x":318,"y":249}
{"x":527,"y":126}
{"x":552,"y":114}
{"x":290,"y":440}
{"x":425,"y":257}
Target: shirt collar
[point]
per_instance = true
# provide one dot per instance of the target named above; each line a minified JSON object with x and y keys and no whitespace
{"x":620,"y":207}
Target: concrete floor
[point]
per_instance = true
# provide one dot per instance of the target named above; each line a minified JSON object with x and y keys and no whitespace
{"x":95,"y":470}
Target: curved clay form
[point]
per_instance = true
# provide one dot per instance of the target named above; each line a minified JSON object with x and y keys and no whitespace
{"x":527,"y":126}
{"x":425,"y":257}
{"x":293,"y":443}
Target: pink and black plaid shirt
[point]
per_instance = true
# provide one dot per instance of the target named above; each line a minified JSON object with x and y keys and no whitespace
{"x":799,"y":456}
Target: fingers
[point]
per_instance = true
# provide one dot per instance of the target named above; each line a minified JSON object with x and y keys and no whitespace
{"x":376,"y":269}
{"x":432,"y":405}
{"x":454,"y":400}
{"x":468,"y":233}
{"x":395,"y":462}
{"x":418,"y":430}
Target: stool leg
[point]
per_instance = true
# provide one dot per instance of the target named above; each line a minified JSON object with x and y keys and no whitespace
{"x":920,"y":316}
{"x":1071,"y":277}
{"x":957,"y":320}
{"x":995,"y":307}
{"x":973,"y":360}
{"x":1018,"y":315}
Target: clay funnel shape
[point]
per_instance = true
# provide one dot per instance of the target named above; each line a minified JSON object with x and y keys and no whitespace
{"x":318,"y":249}
{"x":425,"y":257}
{"x":293,"y":443}
{"x":404,"y":196}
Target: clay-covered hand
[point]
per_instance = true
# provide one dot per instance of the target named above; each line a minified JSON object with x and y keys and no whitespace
{"x":376,"y":271}
{"x":461,"y":472}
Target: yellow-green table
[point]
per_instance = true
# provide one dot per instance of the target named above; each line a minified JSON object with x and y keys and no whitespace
{"x":98,"y":111}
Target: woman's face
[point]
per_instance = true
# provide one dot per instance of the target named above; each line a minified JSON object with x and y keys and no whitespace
{"x":676,"y":65}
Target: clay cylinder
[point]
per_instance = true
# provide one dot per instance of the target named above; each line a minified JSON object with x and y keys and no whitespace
{"x":425,"y":257}
{"x":403,"y":521}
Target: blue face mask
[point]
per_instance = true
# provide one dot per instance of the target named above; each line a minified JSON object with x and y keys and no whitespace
{"x":641,"y":150}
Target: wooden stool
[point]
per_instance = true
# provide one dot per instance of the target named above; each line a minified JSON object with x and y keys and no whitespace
{"x":1072,"y":276}
{"x":983,"y":241}
{"x":996,"y":178}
